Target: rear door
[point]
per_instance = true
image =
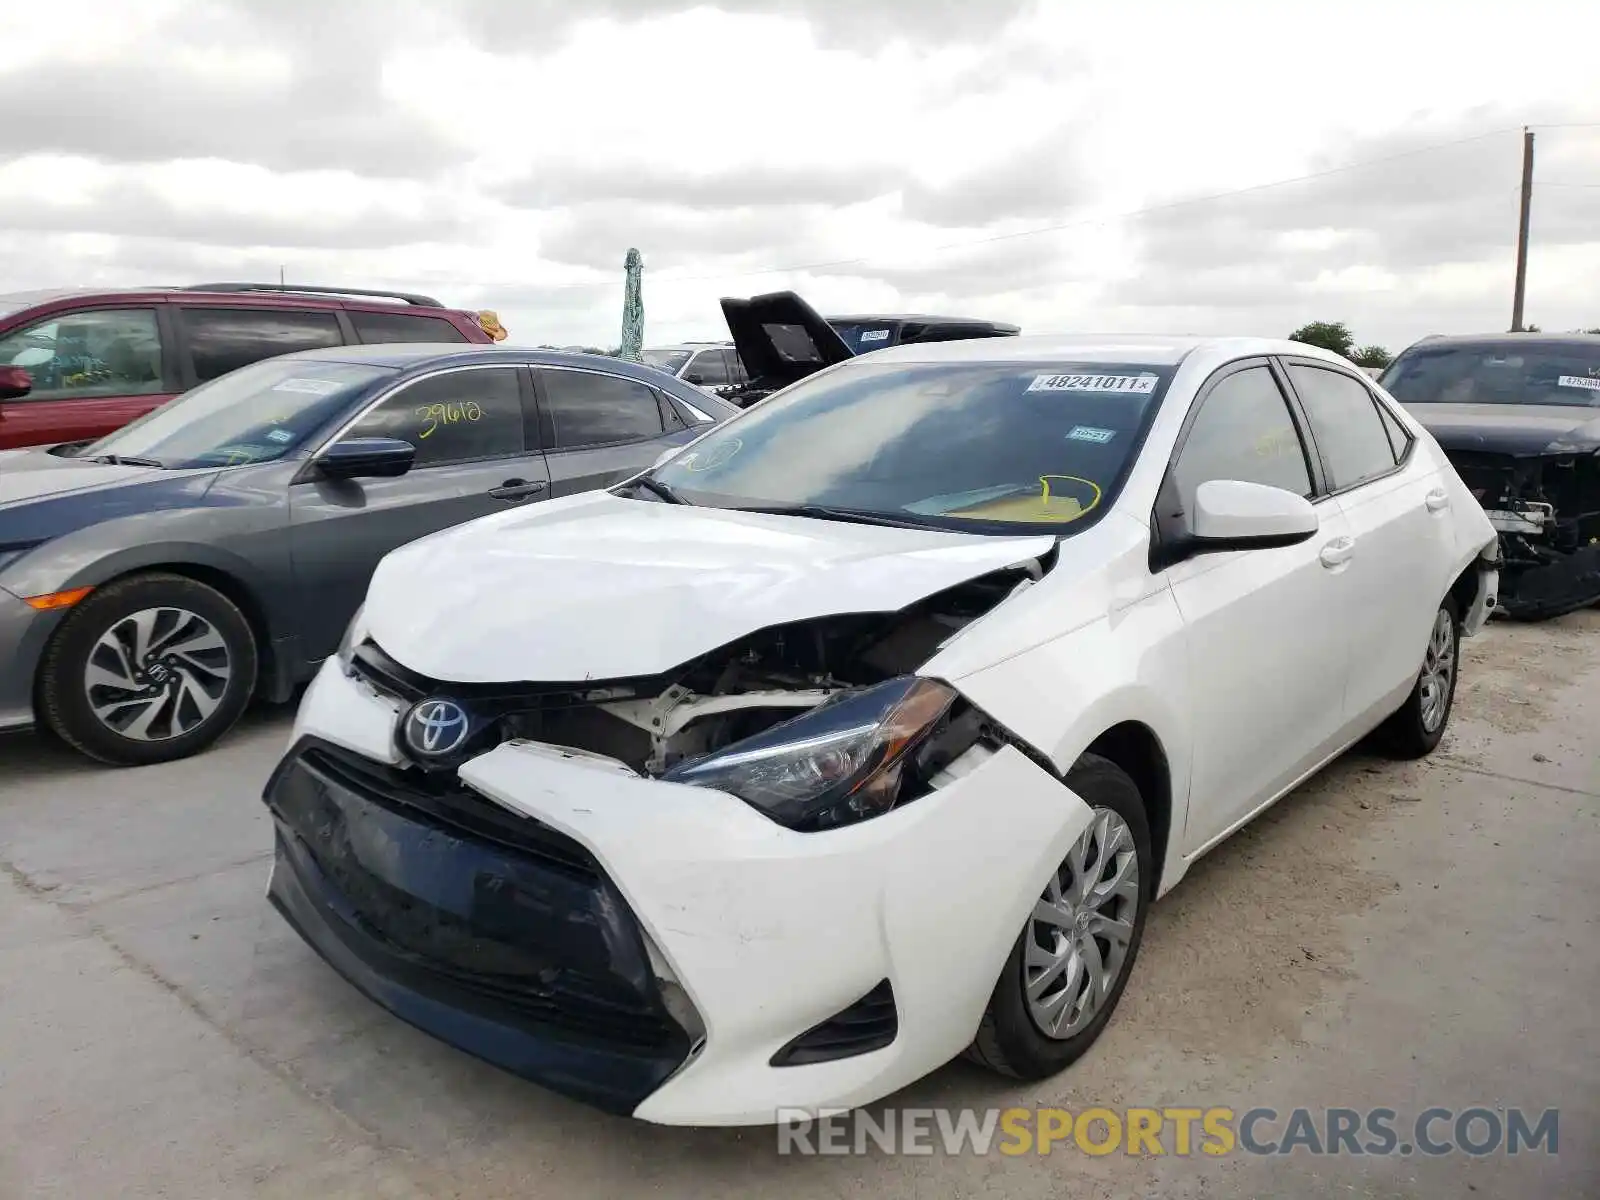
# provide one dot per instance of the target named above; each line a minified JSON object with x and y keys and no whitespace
{"x":476,"y":454}
{"x":93,"y":370}
{"x":1397,"y":508}
{"x":215,"y":340}
{"x":599,"y":428}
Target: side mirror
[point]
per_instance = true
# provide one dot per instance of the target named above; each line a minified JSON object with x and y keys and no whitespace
{"x":366,"y":458}
{"x":1230,"y":514}
{"x":14,"y":383}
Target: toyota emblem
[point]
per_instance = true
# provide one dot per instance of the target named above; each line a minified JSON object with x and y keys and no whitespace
{"x":436,"y":728}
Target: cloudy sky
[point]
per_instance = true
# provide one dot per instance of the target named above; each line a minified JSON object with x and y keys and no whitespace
{"x":1144,"y":165}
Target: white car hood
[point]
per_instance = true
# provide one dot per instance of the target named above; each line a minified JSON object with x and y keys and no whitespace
{"x":596,"y":586}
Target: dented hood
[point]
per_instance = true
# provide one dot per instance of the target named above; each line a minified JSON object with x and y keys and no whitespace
{"x":597,"y":586}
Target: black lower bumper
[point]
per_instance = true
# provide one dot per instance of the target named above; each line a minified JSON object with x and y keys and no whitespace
{"x":486,"y":930}
{"x":1561,"y":583}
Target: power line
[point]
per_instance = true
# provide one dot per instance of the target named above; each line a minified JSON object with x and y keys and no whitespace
{"x":1081,"y":222}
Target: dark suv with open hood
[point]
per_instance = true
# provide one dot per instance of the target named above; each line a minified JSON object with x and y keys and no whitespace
{"x":1518,"y":414}
{"x":780,"y":339}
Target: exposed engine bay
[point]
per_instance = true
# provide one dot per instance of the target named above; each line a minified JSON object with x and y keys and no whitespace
{"x":734,"y":692}
{"x":1547,"y":510}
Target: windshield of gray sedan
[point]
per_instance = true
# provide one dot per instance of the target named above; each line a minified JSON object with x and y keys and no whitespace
{"x":255,"y":414}
{"x":983,"y":447}
{"x":1504,"y":372}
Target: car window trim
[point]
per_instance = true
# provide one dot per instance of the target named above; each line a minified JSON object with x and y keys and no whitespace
{"x":163,"y":348}
{"x":396,"y":388}
{"x":1166,"y":512}
{"x":1286,"y":361}
{"x":547,"y":427}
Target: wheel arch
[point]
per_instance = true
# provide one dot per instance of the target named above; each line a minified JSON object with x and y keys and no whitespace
{"x":1137,"y":750}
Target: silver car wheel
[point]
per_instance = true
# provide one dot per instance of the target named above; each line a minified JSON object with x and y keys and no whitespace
{"x":1438,"y":672}
{"x":157,"y":674}
{"x":1077,"y":940}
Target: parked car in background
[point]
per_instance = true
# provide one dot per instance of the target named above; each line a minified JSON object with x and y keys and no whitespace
{"x":714,"y":366}
{"x":1519,"y":416}
{"x":867,"y":729}
{"x":781,"y":339}
{"x":880,"y":331}
{"x":87,"y":362}
{"x":215,"y":549}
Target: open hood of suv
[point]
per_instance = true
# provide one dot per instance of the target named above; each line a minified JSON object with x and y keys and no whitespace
{"x":596,"y":586}
{"x":780,"y":338}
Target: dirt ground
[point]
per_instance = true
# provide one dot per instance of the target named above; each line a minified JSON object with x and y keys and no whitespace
{"x":1390,"y":935}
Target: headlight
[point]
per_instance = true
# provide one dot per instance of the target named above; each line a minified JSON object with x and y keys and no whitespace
{"x":839,"y":763}
{"x":354,"y":634}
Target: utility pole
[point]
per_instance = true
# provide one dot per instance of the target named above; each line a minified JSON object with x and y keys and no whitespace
{"x":1522,"y":229}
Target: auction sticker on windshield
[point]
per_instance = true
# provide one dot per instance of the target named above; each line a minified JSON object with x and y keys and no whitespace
{"x":1579,"y":381}
{"x":310,"y":387}
{"x":1138,"y":385}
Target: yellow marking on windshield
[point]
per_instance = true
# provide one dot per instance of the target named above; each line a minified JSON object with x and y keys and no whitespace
{"x":1041,"y":508}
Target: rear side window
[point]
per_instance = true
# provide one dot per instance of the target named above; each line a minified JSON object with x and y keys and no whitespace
{"x":1344,"y":417}
{"x":460,"y":416}
{"x":1399,"y":439}
{"x":403,"y":327}
{"x":589,"y":409}
{"x":1243,"y":431}
{"x":225,"y":339}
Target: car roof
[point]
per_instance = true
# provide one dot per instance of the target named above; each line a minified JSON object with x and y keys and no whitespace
{"x":690,"y":346}
{"x":1500,"y":339}
{"x":15,"y":302}
{"x":1092,"y":348}
{"x":405,"y":356}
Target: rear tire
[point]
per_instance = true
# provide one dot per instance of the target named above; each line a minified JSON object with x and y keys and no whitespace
{"x":1415,"y":729}
{"x":1014,"y":1037}
{"x":148,"y":669}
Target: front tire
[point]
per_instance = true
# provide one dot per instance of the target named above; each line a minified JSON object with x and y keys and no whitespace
{"x":148,"y":669}
{"x":1067,"y":970}
{"x":1415,"y":729}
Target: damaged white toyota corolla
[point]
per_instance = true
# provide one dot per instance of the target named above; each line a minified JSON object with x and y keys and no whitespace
{"x":865,"y":730}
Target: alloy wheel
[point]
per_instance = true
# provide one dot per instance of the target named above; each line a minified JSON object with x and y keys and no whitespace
{"x":1078,"y":936}
{"x":1438,"y":671}
{"x":157,"y":674}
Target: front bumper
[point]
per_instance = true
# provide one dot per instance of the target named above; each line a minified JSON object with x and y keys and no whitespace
{"x":23,"y":634}
{"x":760,"y":932}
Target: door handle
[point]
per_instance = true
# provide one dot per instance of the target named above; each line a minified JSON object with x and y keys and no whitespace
{"x":518,"y":489}
{"x":1438,"y":500}
{"x":1338,"y":552}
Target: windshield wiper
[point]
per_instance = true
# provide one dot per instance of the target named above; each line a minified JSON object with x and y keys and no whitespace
{"x":659,"y":490}
{"x":825,"y":512}
{"x":126,"y":460}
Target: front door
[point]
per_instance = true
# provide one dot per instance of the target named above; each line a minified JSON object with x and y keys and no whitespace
{"x":473,"y":458}
{"x":1264,"y":628}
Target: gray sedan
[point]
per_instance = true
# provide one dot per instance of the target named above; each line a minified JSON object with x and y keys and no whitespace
{"x":154,"y":582}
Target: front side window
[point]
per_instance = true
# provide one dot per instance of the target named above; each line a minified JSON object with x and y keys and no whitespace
{"x":225,"y":339}
{"x":403,"y":327}
{"x":256,"y":414}
{"x":112,"y":352}
{"x":1349,"y":431}
{"x":982,"y":447}
{"x":1243,"y":431}
{"x":1497,"y":372}
{"x":590,"y":409}
{"x":459,"y":416}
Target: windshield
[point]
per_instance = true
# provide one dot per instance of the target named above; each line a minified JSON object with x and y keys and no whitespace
{"x":862,"y":336}
{"x":251,"y":415}
{"x":984,"y":447}
{"x":1503,"y":372}
{"x":670,"y":361}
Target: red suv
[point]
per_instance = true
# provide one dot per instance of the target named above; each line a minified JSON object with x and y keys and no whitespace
{"x":76,"y":365}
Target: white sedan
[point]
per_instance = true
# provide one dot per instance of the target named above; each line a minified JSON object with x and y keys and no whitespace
{"x":865,"y":730}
